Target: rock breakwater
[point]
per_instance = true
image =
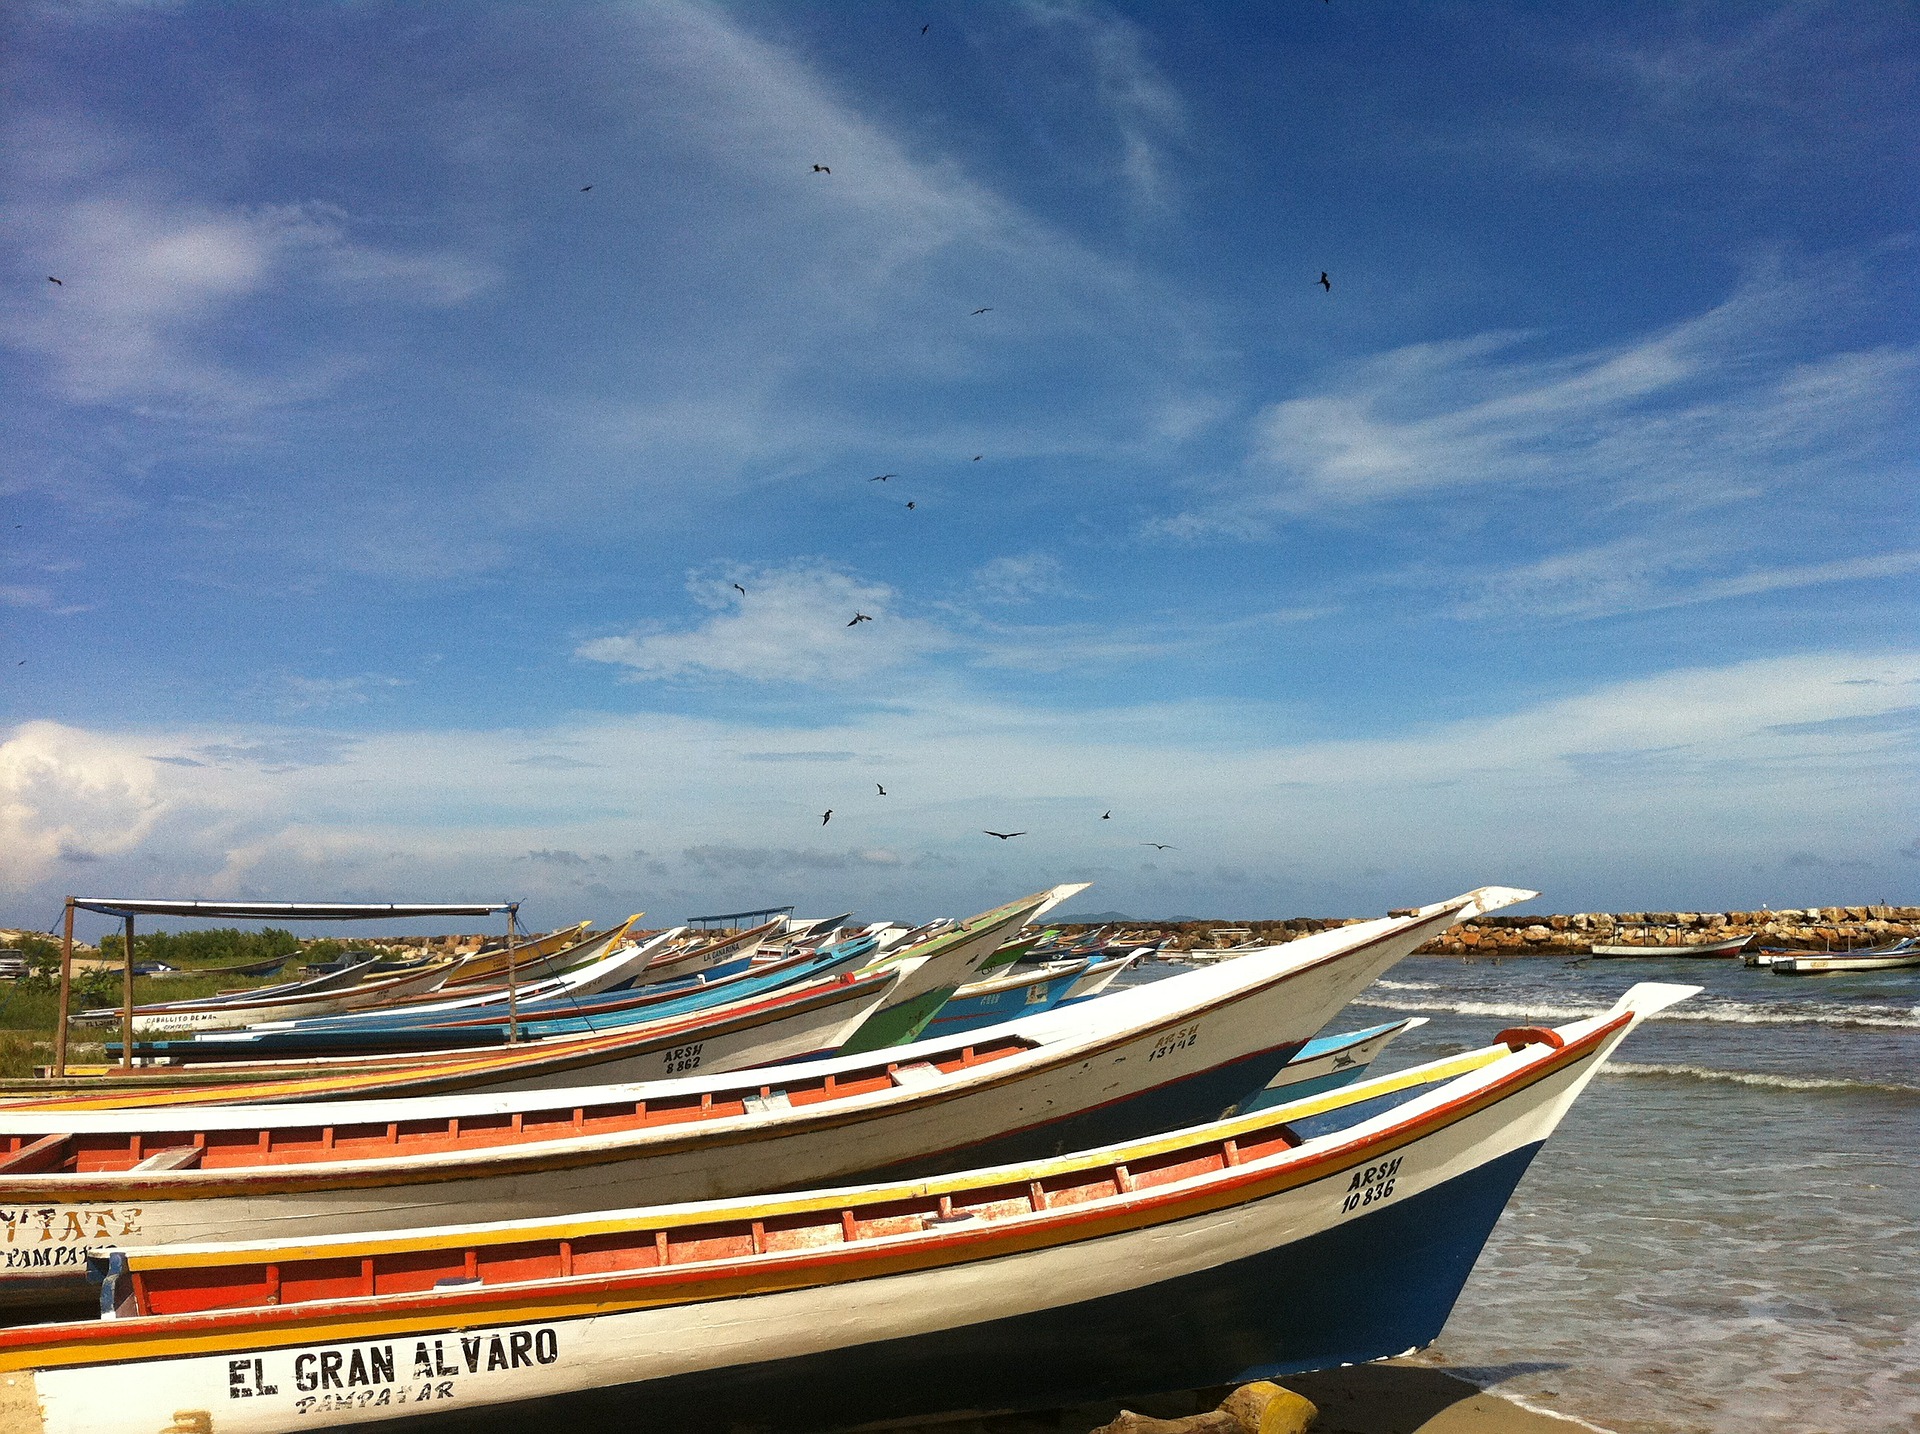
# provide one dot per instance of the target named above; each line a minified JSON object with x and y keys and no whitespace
{"x":1817,"y":928}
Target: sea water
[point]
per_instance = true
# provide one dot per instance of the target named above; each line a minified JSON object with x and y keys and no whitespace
{"x":1724,"y":1235}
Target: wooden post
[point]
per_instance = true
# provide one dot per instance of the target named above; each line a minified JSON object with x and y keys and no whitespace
{"x":126,"y":1001}
{"x":513,"y":981}
{"x":66,"y":994}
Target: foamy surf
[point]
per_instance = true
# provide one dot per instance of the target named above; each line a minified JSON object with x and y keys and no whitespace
{"x":1760,"y":1078}
{"x":1732,"y":1013}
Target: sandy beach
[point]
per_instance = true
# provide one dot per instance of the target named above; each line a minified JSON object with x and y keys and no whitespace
{"x":1396,"y":1396}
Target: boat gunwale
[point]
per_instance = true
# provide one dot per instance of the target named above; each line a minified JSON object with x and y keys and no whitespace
{"x":543,"y":1154}
{"x":426,"y":1075}
{"x":873,"y":1256}
{"x":977,"y":1078}
{"x":104,"y":1015}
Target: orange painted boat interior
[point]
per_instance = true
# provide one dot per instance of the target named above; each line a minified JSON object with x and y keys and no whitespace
{"x":186,"y":1148}
{"x":160,"y":1288}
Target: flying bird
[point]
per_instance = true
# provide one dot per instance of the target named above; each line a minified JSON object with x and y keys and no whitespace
{"x":883,"y":790}
{"x":826,"y":816}
{"x":1004,"y":836}
{"x":976,"y":457}
{"x":585,"y":187}
{"x":909,"y":506}
{"x":859,"y":617}
{"x":1325,"y":282}
{"x":1106,"y":816}
{"x":881,"y":478}
{"x":925,"y":28}
{"x":978,"y":312}
{"x":742,"y":591}
{"x":52,"y":280}
{"x":821,"y":169}
{"x":1159,"y":846}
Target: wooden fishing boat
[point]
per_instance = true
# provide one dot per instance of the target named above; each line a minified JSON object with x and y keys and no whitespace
{"x":1100,"y":974}
{"x":1327,"y":1231}
{"x":577,"y":995}
{"x":227,"y":1015}
{"x":1183,"y":1049}
{"x":131,"y":1180}
{"x":1026,"y":991}
{"x":814,"y":1018}
{"x":1003,"y":997}
{"x":490,"y":963}
{"x":714,"y":954}
{"x":906,"y":1006}
{"x":1329,"y":1062}
{"x":1732,"y":946}
{"x":405,"y":1033}
{"x":1895,"y":956}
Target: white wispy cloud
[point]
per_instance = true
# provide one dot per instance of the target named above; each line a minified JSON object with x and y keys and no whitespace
{"x":1707,"y":412}
{"x":792,"y":624}
{"x":1622,"y":419}
{"x":1647,"y":573}
{"x":1019,"y":578}
{"x":297,"y":692}
{"x":30,"y":595}
{"x":1655,"y":781}
{"x":151,"y":286}
{"x":1147,"y":115}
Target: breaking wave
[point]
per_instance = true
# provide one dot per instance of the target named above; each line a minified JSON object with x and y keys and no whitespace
{"x":1730,"y":1013}
{"x":1759,"y":1078}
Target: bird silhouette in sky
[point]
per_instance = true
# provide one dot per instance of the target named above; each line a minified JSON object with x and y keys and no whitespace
{"x":909,"y":506}
{"x":742,"y":591}
{"x":1325,"y":282}
{"x":859,"y":617}
{"x":925,"y":28}
{"x":52,"y":280}
{"x":1106,"y":816}
{"x":883,"y":790}
{"x":826,"y":816}
{"x":976,"y":457}
{"x":585,"y":187}
{"x":1159,"y":846}
{"x":978,"y":312}
{"x":882,"y":477}
{"x":1004,"y":836}
{"x":821,"y":169}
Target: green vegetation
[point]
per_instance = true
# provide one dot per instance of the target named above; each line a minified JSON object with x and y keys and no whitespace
{"x":223,"y":946}
{"x":30,"y":1006}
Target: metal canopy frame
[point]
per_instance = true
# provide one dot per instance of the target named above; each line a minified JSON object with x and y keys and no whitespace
{"x":728,"y":917}
{"x":128,"y":907}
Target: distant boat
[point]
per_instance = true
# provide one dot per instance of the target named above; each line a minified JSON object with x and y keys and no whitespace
{"x":1732,"y":946}
{"x":1321,"y":1233}
{"x":1878,"y":958}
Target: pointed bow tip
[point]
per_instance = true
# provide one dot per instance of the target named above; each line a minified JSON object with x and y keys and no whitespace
{"x":1645,"y":998}
{"x":1477,"y":902}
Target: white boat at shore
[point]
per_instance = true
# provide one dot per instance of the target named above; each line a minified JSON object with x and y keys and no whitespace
{"x":1898,"y":956}
{"x":1732,"y":946}
{"x":1169,"y":1052}
{"x":1323,"y":1232}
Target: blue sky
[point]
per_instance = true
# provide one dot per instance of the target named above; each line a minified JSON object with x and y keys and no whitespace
{"x":375,"y":492}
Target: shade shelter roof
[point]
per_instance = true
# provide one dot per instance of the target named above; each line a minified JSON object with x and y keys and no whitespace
{"x":285,"y":910}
